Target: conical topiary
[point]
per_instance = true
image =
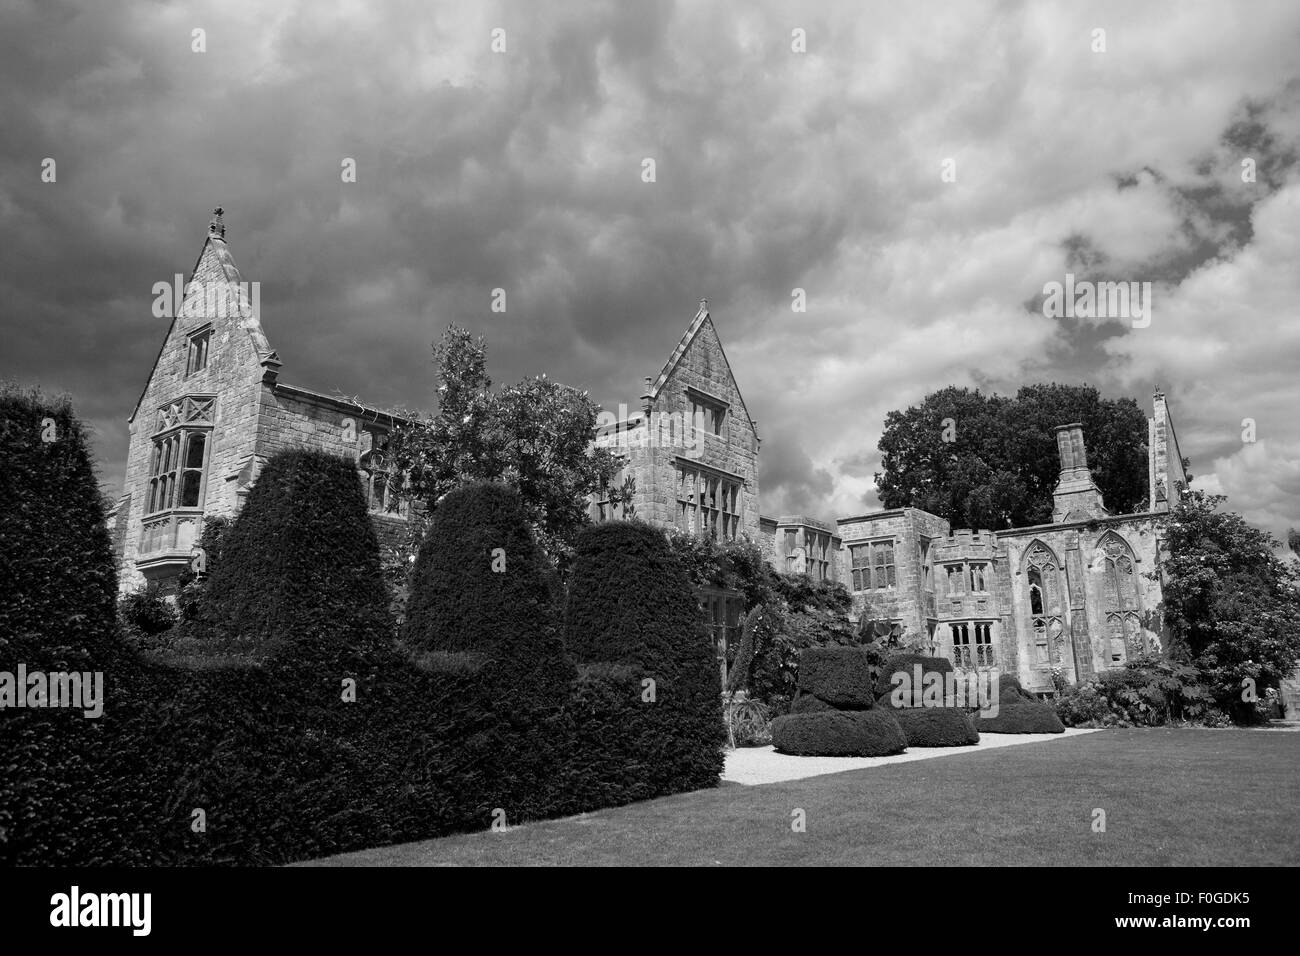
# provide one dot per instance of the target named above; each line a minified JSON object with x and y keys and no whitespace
{"x":631,"y":602}
{"x":631,"y":606}
{"x":481,"y":584}
{"x":299,"y":568}
{"x":58,"y":599}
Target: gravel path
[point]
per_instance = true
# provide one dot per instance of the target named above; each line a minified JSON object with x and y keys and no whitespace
{"x":755,"y":765}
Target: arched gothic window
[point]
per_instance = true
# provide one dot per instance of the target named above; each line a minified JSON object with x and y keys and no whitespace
{"x":1120,"y":604}
{"x":1042,"y":577}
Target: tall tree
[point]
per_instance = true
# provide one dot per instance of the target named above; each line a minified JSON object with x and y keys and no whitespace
{"x":535,"y":436}
{"x":1232,"y":603}
{"x":988,"y":461}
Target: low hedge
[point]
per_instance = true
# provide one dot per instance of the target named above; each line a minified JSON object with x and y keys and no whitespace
{"x":285,"y":770}
{"x":839,"y":733}
{"x":936,"y":727}
{"x":1019,"y":716}
{"x":841,"y":676}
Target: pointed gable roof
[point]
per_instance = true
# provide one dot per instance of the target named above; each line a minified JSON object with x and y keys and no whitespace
{"x":698,"y":324}
{"x":214,"y":246}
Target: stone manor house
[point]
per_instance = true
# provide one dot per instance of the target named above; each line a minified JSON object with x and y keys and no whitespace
{"x":1078,"y":594}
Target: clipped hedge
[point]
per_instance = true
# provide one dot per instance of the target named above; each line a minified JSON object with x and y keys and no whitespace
{"x":906,"y":663}
{"x":345,"y":743}
{"x":839,"y":733}
{"x":1009,"y":687}
{"x":631,"y":601}
{"x":840,"y":676}
{"x":481,"y":584}
{"x":1016,"y":715}
{"x":59,"y":593}
{"x":936,"y":726}
{"x":631,"y":607}
{"x":805,"y":703}
{"x":299,"y":570}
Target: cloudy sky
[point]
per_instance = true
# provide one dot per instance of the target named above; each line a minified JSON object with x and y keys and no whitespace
{"x":774,"y":170}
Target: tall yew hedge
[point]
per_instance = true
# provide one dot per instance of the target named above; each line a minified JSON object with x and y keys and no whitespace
{"x":631,"y":618}
{"x":299,"y":570}
{"x":482,"y":585}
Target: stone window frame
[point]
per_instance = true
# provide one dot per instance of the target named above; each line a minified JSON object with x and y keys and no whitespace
{"x":198,"y":349}
{"x":954,"y":572}
{"x":1122,"y":612}
{"x":985,"y":570}
{"x":602,"y":509}
{"x":176,"y":424}
{"x":723,"y":610}
{"x":383,"y":494}
{"x":1043,"y":570}
{"x":710,"y":502}
{"x":866,"y":572}
{"x":714,"y":412}
{"x":972,"y":643}
{"x":817,"y":547}
{"x":170,"y":469}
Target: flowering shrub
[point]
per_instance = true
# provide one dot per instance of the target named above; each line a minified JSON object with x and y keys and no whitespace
{"x":1148,"y":692}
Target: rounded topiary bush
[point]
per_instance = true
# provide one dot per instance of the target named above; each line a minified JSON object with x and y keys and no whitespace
{"x":58,"y":599}
{"x":1016,"y":715}
{"x":1009,"y":686}
{"x":840,"y":676}
{"x":805,"y":703}
{"x":936,"y":727}
{"x":839,"y":733}
{"x":631,"y":602}
{"x":481,"y":585}
{"x":299,"y":569}
{"x":631,"y":605}
{"x":906,"y":663}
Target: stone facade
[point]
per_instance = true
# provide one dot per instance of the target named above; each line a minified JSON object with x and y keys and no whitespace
{"x":1077,"y":596}
{"x":691,"y":449}
{"x":212,"y":413}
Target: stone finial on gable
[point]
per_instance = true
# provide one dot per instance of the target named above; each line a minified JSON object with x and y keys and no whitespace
{"x":217,"y":228}
{"x":704,"y":306}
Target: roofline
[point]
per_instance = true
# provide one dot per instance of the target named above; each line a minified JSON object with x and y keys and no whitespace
{"x":701,"y":316}
{"x":342,"y":404}
{"x":170,"y":325}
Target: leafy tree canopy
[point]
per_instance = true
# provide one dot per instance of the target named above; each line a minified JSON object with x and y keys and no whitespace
{"x":989,"y":461}
{"x":1232,"y":602}
{"x":534,"y":436}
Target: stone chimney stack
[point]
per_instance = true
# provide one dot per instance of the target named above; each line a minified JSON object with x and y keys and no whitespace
{"x":1076,"y":497}
{"x":1168,"y":478}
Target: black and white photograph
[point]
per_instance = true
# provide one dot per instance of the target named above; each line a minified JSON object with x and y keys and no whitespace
{"x":651,"y":434}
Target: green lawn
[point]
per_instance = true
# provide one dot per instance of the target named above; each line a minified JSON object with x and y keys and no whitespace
{"x":1172,"y":797}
